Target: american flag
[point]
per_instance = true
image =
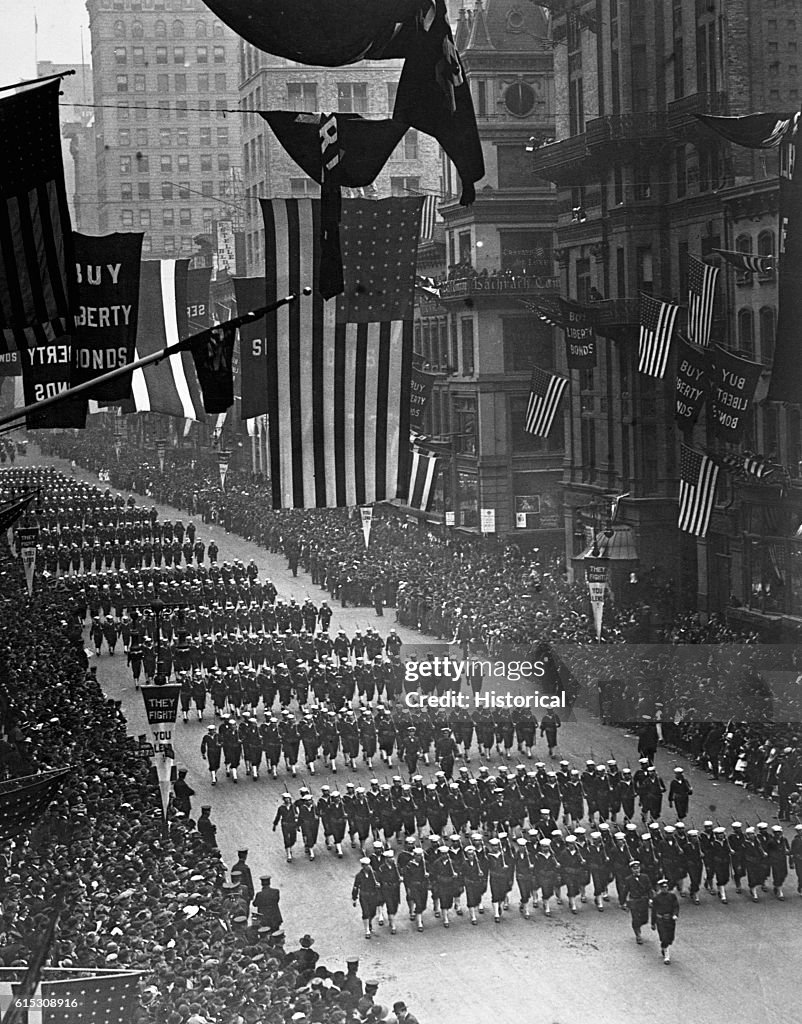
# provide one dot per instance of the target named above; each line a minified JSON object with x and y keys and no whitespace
{"x":170,"y":386}
{"x":697,"y":491}
{"x":548,"y":309}
{"x":701,"y":299}
{"x":545,"y":391}
{"x":24,"y":800}
{"x":747,"y":262}
{"x":35,"y":234}
{"x":87,"y":996}
{"x":422,"y":479}
{"x":657,"y":320}
{"x":339,"y":371}
{"x":429,"y":217}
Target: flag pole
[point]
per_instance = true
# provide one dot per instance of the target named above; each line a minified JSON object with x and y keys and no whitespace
{"x":155,"y":357}
{"x":37,"y":81}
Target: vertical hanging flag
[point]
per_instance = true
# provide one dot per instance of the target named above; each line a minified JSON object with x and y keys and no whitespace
{"x":701,"y":300}
{"x":421,"y":385}
{"x":36,"y":254}
{"x":657,"y":319}
{"x":786,"y":372}
{"x":422,"y":479}
{"x":580,"y":336}
{"x":697,"y":491}
{"x":161,"y":709}
{"x":161,"y":451}
{"x":732,"y":389}
{"x":545,"y":391}
{"x":107,"y":270}
{"x":46,"y":353}
{"x":28,"y":537}
{"x":214,"y":365}
{"x":429,"y":217}
{"x":596,"y":574}
{"x":250,"y":293}
{"x":170,"y":386}
{"x":366,"y":515}
{"x":691,"y":384}
{"x":339,"y":371}
{"x":223,"y":459}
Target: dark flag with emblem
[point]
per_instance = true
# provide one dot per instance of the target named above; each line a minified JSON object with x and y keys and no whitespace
{"x":747,"y":262}
{"x":107,"y":310}
{"x":36,"y":257}
{"x":23,"y":800}
{"x":74,"y":996}
{"x":545,"y":391}
{"x":697,"y":491}
{"x":214,"y":365}
{"x":754,"y":131}
{"x":701,"y":300}
{"x":250,"y":293}
{"x":422,"y":479}
{"x":336,"y":150}
{"x":657,"y":319}
{"x":338,"y":371}
{"x":11,"y":511}
{"x":433,"y":94}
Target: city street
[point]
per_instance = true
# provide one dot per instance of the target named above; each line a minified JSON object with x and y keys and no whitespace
{"x":730,"y":963}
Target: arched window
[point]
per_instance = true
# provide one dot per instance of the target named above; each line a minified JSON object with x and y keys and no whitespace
{"x":160,"y":30}
{"x":119,"y":30}
{"x":768,"y":330}
{"x":765,"y":247}
{"x":178,"y":29}
{"x":743,"y":243}
{"x":137,"y":31}
{"x":746,"y":332}
{"x":200,"y":29}
{"x":217,"y":28}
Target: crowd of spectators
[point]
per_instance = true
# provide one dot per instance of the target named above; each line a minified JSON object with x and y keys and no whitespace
{"x":700,"y":676}
{"x":136,"y":895}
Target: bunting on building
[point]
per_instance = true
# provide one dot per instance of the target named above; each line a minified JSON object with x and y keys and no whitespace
{"x":747,"y":262}
{"x":754,"y":131}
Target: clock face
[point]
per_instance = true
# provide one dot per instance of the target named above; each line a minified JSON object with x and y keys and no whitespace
{"x":519,"y":99}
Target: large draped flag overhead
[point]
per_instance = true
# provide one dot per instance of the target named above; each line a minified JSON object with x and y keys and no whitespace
{"x":338,"y":371}
{"x":170,"y":386}
{"x":336,"y":150}
{"x":36,"y":256}
{"x":754,"y":131}
{"x":786,"y":372}
{"x":433,"y":94}
{"x":250,"y":293}
{"x":24,"y":800}
{"x":75,"y":996}
{"x":107,"y":311}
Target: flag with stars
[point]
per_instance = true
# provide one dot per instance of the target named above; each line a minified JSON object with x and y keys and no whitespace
{"x":23,"y":800}
{"x":657,"y":320}
{"x":339,"y":370}
{"x":747,"y":262}
{"x":90,"y":996}
{"x":35,"y":235}
{"x":545,"y":391}
{"x":701,"y":299}
{"x":697,"y":490}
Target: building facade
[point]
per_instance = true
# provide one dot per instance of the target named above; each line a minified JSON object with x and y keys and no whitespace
{"x":267,"y":82}
{"x":481,"y":339}
{"x":643,"y":186}
{"x":167,"y":128}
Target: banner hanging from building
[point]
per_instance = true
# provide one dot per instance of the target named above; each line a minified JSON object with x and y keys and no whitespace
{"x":420,"y":394}
{"x":732,"y":389}
{"x":250,"y":292}
{"x":223,"y":459}
{"x":596,"y":575}
{"x":580,"y":336}
{"x":366,"y":514}
{"x":161,"y":451}
{"x":691,"y":383}
{"x":28,"y":537}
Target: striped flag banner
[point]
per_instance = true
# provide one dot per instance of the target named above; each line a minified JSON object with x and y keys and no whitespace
{"x":697,"y":491}
{"x":422,"y":479}
{"x":747,"y":262}
{"x":657,"y":319}
{"x":701,"y":300}
{"x":339,"y":371}
{"x":545,"y":391}
{"x":429,"y":217}
{"x":36,"y":251}
{"x":170,"y":386}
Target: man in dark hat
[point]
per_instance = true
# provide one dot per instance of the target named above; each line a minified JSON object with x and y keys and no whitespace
{"x":352,"y":982}
{"x":665,"y":912}
{"x":206,"y":827}
{"x":182,"y":792}
{"x":241,"y":873}
{"x":305,"y":958}
{"x":266,"y":902}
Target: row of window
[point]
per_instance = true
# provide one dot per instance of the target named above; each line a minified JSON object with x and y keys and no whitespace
{"x":125,"y":83}
{"x":147,"y":5}
{"x":165,"y":108}
{"x":766,"y":321}
{"x":352,"y":97}
{"x":171,"y":244}
{"x":527,"y":342}
{"x":218,"y":54}
{"x":169,"y":137}
{"x":172,"y":190}
{"x":181,"y":163}
{"x":160,"y":29}
{"x":168,"y":217}
{"x":459,"y":418}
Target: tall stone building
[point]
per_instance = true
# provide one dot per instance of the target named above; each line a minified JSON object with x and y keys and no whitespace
{"x":267,"y":82}
{"x":643,"y":186}
{"x":168,"y":146}
{"x":482,"y":340}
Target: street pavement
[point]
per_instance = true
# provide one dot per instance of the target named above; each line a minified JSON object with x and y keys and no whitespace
{"x":736,"y":963}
